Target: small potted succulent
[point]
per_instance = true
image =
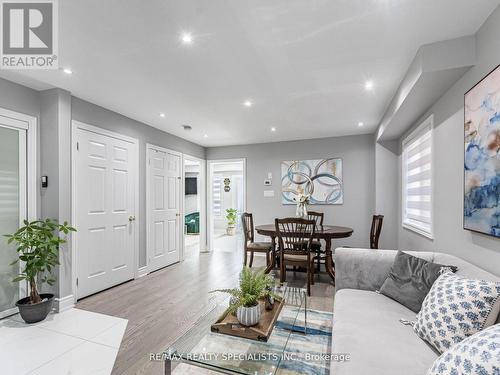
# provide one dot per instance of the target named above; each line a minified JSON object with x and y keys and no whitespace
{"x":231,"y":216}
{"x":37,"y":244}
{"x":254,"y":287}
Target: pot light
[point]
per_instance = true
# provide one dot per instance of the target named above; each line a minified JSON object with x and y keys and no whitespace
{"x":162,"y":115}
{"x":273,"y":129}
{"x":361,"y":124}
{"x":187,"y":38}
{"x":369,"y":85}
{"x":205,"y":136}
{"x":67,"y":71}
{"x":248,"y":103}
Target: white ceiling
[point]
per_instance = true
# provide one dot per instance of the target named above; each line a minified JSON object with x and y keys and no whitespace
{"x":302,"y":63}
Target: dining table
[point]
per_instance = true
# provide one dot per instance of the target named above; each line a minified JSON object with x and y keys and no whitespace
{"x":322,"y":232}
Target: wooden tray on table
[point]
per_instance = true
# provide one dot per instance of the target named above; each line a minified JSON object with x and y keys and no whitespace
{"x":229,"y":325}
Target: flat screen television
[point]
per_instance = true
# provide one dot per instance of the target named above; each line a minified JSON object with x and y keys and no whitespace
{"x":191,"y":186}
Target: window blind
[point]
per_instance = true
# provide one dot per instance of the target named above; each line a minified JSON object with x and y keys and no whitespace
{"x":417,"y":180}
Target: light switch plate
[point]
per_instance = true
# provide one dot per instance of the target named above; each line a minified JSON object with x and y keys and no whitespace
{"x":268,"y":193}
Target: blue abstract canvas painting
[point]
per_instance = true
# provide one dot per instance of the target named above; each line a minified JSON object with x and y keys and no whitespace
{"x":482,"y":156}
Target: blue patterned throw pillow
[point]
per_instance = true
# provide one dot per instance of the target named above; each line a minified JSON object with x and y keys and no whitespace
{"x":456,"y":308}
{"x":478,"y":354}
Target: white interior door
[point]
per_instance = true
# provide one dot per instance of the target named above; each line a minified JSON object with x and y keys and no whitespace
{"x":106,"y":188}
{"x":164,"y":206}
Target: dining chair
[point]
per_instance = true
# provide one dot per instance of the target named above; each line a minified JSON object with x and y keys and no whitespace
{"x":250,"y":245}
{"x":317,"y":217}
{"x":295,"y":236}
{"x":375,"y":230}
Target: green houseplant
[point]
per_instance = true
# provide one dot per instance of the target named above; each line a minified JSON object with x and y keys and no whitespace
{"x":253,"y":287}
{"x":231,"y":217}
{"x":37,"y":244}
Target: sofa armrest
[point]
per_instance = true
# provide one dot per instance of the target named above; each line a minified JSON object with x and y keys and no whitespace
{"x":364,"y":269}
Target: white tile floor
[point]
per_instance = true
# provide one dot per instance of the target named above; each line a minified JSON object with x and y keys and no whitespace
{"x":72,"y":342}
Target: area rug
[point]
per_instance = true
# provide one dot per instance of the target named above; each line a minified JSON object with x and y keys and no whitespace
{"x":304,"y":353}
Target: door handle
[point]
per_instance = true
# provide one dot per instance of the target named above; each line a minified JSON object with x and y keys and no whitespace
{"x":177,"y":214}
{"x":131,"y":218}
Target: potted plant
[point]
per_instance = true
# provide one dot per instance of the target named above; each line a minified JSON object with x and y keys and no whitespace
{"x":254,"y":286}
{"x":231,"y":216}
{"x":37,"y":244}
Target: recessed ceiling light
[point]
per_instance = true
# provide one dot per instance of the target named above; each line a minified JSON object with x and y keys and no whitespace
{"x":360,"y":124}
{"x":205,"y":136}
{"x":273,"y":129}
{"x":68,"y":71}
{"x":187,"y":38}
{"x":162,"y":115}
{"x":248,"y":103}
{"x":369,"y":85}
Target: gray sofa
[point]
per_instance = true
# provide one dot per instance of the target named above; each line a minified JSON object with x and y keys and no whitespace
{"x":366,"y":324}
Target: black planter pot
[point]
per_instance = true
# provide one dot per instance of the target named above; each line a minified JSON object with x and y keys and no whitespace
{"x":32,"y":313}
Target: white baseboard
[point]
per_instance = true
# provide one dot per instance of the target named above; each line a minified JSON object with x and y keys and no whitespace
{"x":65,"y":303}
{"x":143,"y":271}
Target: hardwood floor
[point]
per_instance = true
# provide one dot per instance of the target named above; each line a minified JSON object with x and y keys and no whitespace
{"x":163,"y":305}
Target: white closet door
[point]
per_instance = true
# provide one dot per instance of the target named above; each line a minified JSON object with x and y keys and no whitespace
{"x":105,"y":204}
{"x":164,"y":200}
{"x":12,"y":209}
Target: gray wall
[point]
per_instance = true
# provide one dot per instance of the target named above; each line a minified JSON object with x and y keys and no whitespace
{"x":357,"y":153}
{"x":94,"y":115}
{"x":386,"y":191}
{"x":449,"y":236}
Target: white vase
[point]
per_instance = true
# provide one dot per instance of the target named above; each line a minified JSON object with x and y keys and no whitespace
{"x":301,"y":210}
{"x":248,"y":316}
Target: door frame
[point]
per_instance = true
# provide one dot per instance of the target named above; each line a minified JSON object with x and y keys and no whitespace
{"x":203,"y":202}
{"x":210,"y":219}
{"x":74,"y":206}
{"x":20,"y":121}
{"x":149,"y":146}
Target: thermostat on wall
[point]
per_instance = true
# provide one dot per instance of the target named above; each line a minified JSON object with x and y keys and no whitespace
{"x":268,"y":182}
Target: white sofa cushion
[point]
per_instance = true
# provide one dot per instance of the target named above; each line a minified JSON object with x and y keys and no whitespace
{"x":366,"y":326}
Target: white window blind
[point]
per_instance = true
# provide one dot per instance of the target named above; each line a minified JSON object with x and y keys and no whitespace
{"x":217,"y":196}
{"x":417,"y":179}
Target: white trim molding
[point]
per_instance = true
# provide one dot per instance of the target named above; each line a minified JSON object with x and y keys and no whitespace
{"x":65,"y":303}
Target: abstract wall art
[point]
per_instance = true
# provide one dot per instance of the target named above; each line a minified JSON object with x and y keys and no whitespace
{"x":482,"y":156}
{"x":325,"y":175}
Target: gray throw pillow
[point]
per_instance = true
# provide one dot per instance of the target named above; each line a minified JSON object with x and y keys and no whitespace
{"x":410,"y":280}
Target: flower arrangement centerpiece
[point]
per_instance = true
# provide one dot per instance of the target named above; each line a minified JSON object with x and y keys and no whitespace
{"x":302,"y":201}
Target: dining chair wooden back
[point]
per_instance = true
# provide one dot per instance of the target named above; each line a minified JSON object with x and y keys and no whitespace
{"x":250,"y":246}
{"x":295,"y":236}
{"x":316,"y":244}
{"x":375,"y":230}
{"x":317,"y":217}
{"x":247,"y":221}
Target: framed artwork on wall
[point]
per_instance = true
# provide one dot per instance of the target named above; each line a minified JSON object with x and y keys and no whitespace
{"x":482,"y":156}
{"x":324,"y":174}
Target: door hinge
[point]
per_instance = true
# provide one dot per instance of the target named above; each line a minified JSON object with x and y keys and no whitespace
{"x":77,"y":282}
{"x":149,"y":161}
{"x":77,"y":146}
{"x":179,"y":177}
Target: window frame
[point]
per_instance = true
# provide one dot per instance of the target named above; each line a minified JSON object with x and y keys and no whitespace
{"x":426,"y":125}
